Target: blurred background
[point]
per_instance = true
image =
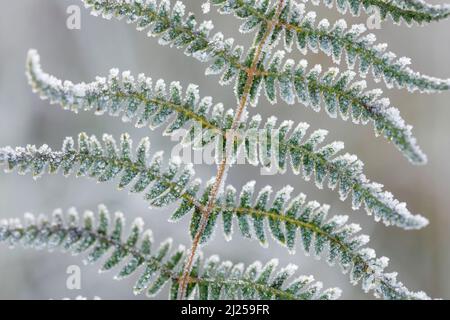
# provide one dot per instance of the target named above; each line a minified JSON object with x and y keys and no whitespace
{"x":422,"y":258}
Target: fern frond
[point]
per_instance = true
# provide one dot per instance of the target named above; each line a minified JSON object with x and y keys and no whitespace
{"x":297,"y":26}
{"x":309,"y":157}
{"x":332,"y":238}
{"x":339,"y":95}
{"x":211,"y":279}
{"x":409,"y":11}
{"x":106,"y":162}
{"x":176,"y":184}
{"x":138,"y":100}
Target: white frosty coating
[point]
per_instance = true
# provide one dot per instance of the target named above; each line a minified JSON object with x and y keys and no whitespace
{"x":311,"y":16}
{"x":287,"y":124}
{"x":339,"y":220}
{"x":72,"y":213}
{"x":337,"y":146}
{"x":404,"y":61}
{"x":353,"y":228}
{"x":206,"y":7}
{"x":359,"y":85}
{"x":334,"y":71}
{"x":176,"y":160}
{"x":267,"y":189}
{"x":305,"y":279}
{"x":316,"y":69}
{"x":369,"y":38}
{"x":435,"y":11}
{"x":206,"y":26}
{"x":88,"y":215}
{"x":271,"y":121}
{"x":181,"y":248}
{"x":289,"y":270}
{"x":285,"y":193}
{"x":340,"y":24}
{"x":119,"y":217}
{"x":249,"y":187}
{"x":148,"y":236}
{"x":218,"y":109}
{"x":324,"y":24}
{"x":278,"y":57}
{"x":13,"y":230}
{"x":356,"y":30}
{"x":238,"y":269}
{"x":320,"y":135}
{"x":160,"y":87}
{"x":214,"y":259}
{"x":179,"y":8}
{"x":273,"y":263}
{"x":138,"y":223}
{"x":229,"y":113}
{"x":29,"y":219}
{"x":4,"y":223}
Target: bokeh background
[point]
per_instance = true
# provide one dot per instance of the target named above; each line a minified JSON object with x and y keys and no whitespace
{"x":422,"y":258}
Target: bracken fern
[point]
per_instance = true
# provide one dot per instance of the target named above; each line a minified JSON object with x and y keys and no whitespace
{"x":235,"y":136}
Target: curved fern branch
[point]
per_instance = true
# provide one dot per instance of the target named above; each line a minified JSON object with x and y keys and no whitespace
{"x":408,"y":11}
{"x":211,"y":279}
{"x":106,"y":162}
{"x":332,"y":238}
{"x":176,"y":182}
{"x":300,"y":27}
{"x":339,"y":95}
{"x":138,"y":101}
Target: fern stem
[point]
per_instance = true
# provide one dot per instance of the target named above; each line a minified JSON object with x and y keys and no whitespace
{"x":223,"y":167}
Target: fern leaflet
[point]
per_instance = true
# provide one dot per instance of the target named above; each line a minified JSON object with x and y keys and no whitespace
{"x":211,"y":279}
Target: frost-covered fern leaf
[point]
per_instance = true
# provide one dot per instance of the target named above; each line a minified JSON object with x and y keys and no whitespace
{"x":137,"y":100}
{"x":162,"y":186}
{"x":344,"y":172}
{"x":286,"y":218}
{"x":305,"y":154}
{"x":409,"y":11}
{"x":294,"y":25}
{"x":340,"y":97}
{"x":337,"y":92}
{"x":101,"y":237}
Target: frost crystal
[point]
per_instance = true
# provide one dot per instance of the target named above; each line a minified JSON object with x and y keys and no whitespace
{"x":206,"y":7}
